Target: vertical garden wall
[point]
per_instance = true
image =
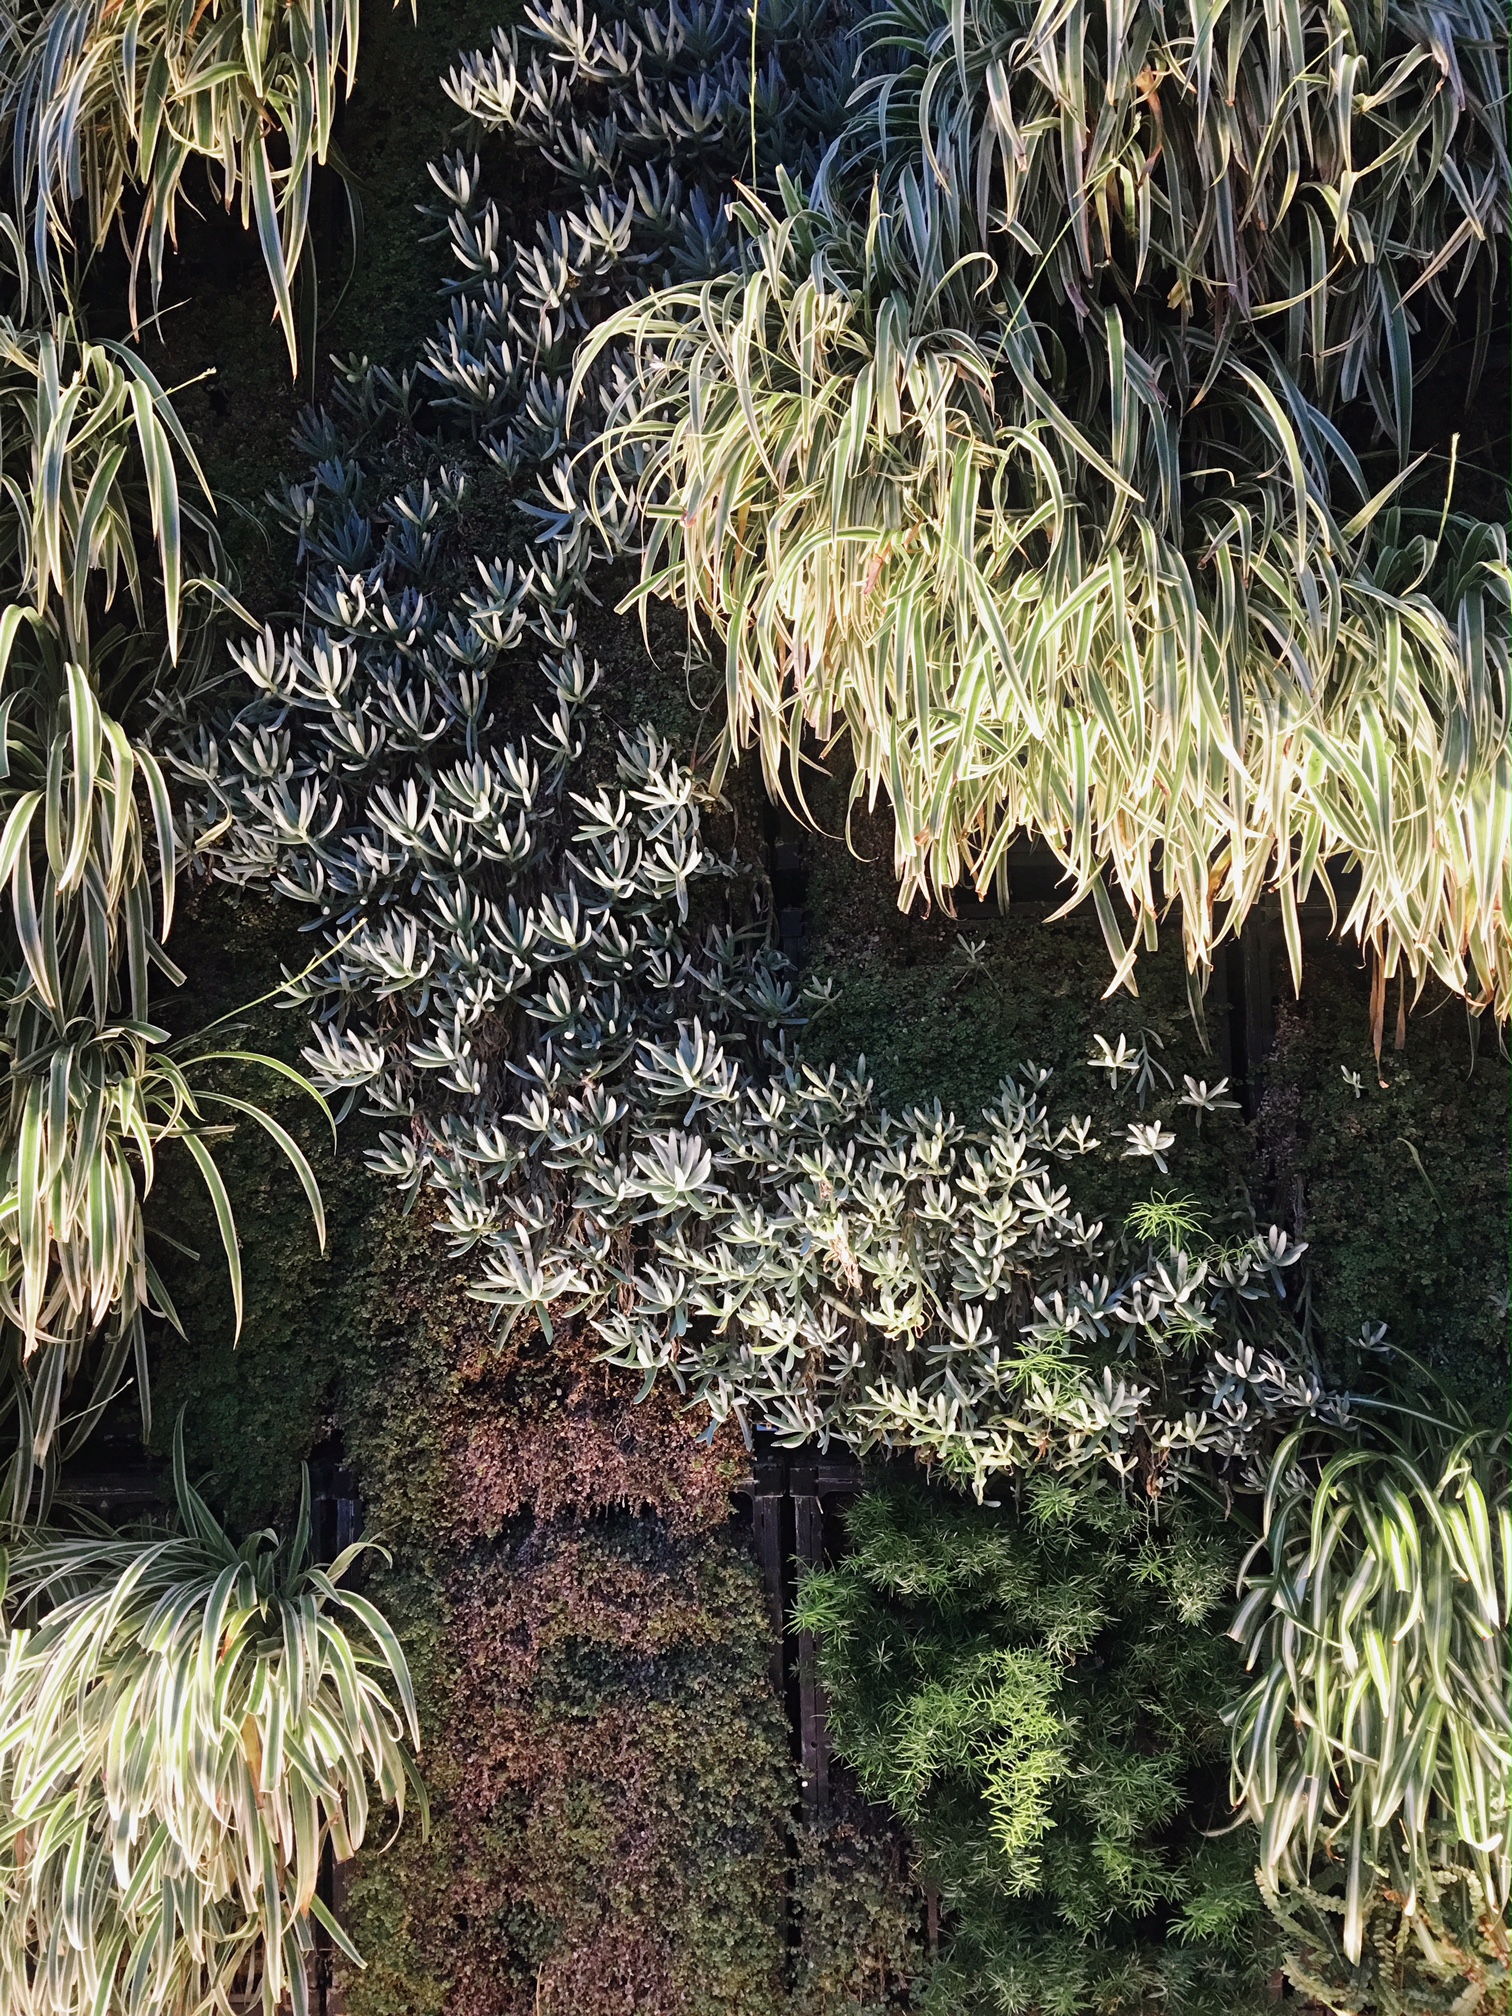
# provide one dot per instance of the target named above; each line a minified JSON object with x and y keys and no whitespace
{"x":747,"y":728}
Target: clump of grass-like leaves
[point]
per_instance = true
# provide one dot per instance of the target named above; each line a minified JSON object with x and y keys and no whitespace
{"x":1375,"y":1745}
{"x":1330,"y":179}
{"x":100,"y":484}
{"x":104,"y":98}
{"x":1025,"y":450}
{"x":185,"y":1724}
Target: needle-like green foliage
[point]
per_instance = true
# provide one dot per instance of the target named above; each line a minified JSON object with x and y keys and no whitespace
{"x":1028,"y":449}
{"x":1037,"y":1689}
{"x":104,"y":98}
{"x":1375,"y":1746}
{"x":184,"y":1725}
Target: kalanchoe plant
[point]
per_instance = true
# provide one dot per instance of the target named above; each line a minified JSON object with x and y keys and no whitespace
{"x":818,"y":1265}
{"x":602,"y":1090}
{"x":371,"y":775}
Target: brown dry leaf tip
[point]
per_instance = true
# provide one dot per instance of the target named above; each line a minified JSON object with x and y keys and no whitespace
{"x":1377,"y":1003}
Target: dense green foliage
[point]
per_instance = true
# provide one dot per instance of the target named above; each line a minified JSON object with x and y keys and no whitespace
{"x":1038,"y":1689}
{"x":1397,"y":1177}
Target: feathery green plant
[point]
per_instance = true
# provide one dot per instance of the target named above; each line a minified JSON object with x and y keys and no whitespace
{"x":1036,"y":1689}
{"x":184,"y":1725}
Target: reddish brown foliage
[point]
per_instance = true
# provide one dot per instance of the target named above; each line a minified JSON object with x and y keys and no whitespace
{"x":552,"y":1429}
{"x":620,"y":1767}
{"x":608,"y":1762}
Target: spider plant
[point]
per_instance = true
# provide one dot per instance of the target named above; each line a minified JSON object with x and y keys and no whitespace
{"x":94,"y":1090}
{"x":94,"y":466}
{"x":1016,"y":452}
{"x":1018,"y":626}
{"x":1374,"y":1748}
{"x":104,"y":97}
{"x":1333,"y":179}
{"x":91,"y":452}
{"x":185,"y":1724}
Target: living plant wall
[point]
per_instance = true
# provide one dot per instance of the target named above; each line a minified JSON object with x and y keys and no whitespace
{"x":1037,"y":422}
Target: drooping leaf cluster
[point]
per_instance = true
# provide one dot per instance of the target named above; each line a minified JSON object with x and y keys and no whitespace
{"x":1374,"y":1747}
{"x":105,"y":502}
{"x":184,"y":1725}
{"x":103,"y":494}
{"x":103,"y":102}
{"x":1037,"y":1688}
{"x":1053,"y":444}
